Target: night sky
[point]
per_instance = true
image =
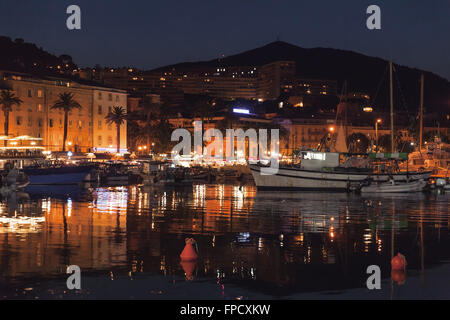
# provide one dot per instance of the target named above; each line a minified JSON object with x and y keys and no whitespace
{"x":150,"y":33}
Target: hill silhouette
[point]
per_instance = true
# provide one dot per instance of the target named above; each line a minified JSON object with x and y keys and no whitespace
{"x":21,"y":56}
{"x":362,"y":73}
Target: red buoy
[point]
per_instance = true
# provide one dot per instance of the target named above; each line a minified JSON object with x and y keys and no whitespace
{"x":189,"y":252}
{"x":398,"y":276}
{"x":189,"y":268}
{"x":398,"y":262}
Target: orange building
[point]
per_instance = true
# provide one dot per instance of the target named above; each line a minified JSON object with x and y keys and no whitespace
{"x":87,"y":128}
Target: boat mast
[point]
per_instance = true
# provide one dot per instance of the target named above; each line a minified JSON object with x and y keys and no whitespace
{"x":421,"y":112}
{"x":392,"y":107}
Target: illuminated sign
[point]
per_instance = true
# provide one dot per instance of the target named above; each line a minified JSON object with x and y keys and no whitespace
{"x":314,"y":156}
{"x":244,"y":111}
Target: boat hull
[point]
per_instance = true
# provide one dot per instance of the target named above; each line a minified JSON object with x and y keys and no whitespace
{"x":57,"y":176}
{"x":415,"y":186}
{"x":289,"y":178}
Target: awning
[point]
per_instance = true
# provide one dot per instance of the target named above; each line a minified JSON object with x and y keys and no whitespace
{"x":24,"y":138}
{"x":394,"y":155}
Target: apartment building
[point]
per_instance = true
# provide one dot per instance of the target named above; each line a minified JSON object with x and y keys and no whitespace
{"x":266,"y":82}
{"x":35,"y":117}
{"x":105,"y":134}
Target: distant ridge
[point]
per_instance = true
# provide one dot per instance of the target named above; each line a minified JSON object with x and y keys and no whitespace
{"x":19,"y":55}
{"x":362,"y":72}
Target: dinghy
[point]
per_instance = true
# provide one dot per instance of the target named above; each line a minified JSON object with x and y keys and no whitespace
{"x":389,"y":187}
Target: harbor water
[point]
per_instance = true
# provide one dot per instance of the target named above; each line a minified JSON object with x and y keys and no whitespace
{"x":251,"y":244}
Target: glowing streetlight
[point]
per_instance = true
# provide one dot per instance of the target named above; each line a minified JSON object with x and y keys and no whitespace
{"x":376,"y":132}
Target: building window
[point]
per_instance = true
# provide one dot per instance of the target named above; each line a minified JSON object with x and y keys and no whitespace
{"x":19,"y":121}
{"x":109,"y":109}
{"x":99,"y":109}
{"x":30,"y":121}
{"x":40,"y":122}
{"x":110,"y":140}
{"x":80,"y":124}
{"x":99,"y":140}
{"x":50,"y":123}
{"x":117,"y":98}
{"x":99,"y":96}
{"x":99,"y":124}
{"x":29,"y":93}
{"x":70,"y":123}
{"x":39,"y":93}
{"x":39,"y":107}
{"x":110,"y":97}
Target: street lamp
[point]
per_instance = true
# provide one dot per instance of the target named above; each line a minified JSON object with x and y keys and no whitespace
{"x":376,"y":133}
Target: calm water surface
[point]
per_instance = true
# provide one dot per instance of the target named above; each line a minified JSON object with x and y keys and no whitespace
{"x":252,"y":244}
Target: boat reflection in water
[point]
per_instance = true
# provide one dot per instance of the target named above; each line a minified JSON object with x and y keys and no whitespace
{"x":251,"y":244}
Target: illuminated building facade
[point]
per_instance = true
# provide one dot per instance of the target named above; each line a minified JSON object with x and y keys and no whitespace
{"x":104,"y":133}
{"x":266,"y":82}
{"x":34,"y":116}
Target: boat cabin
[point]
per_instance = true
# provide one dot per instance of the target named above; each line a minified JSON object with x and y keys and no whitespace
{"x":318,"y":160}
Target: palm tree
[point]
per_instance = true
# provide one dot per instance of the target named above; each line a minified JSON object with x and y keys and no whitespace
{"x":203,"y":109}
{"x":152,"y":112}
{"x":66,"y":103}
{"x":7,"y":100}
{"x":117,"y":116}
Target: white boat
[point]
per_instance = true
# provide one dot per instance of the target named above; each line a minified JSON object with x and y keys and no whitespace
{"x":322,"y":171}
{"x":397,"y":187}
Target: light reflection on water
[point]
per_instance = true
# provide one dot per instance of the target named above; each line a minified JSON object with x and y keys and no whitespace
{"x":276,"y":244}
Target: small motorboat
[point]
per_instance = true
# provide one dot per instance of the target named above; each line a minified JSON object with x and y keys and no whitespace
{"x":395,"y":187}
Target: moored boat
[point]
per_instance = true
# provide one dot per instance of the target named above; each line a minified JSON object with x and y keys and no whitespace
{"x":396,"y":187}
{"x":62,"y":175}
{"x":322,"y":171}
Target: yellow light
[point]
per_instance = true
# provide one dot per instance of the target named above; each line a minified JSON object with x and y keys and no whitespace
{"x":331,"y":129}
{"x":16,"y":148}
{"x":69,"y":143}
{"x":367,"y":109}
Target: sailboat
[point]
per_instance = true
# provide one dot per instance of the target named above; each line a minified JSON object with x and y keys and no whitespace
{"x":393,"y":186}
{"x":322,"y":170}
